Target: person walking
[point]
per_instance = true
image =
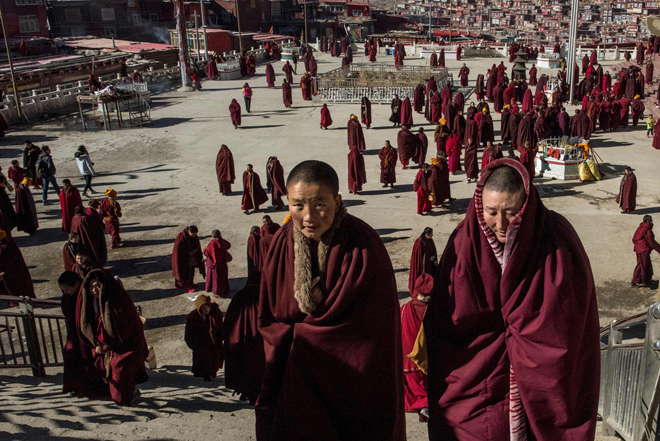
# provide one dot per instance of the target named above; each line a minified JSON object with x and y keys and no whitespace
{"x":644,"y":242}
{"x":247,"y":96}
{"x":650,"y":126}
{"x":46,"y":171}
{"x":86,"y":167}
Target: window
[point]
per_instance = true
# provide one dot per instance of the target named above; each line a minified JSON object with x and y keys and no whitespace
{"x":153,"y":17}
{"x":130,"y":3}
{"x":356,"y":13}
{"x":109,"y":31}
{"x":137,"y":20}
{"x":28,"y":24}
{"x":226,"y":16}
{"x":29,"y":2}
{"x":72,"y":15}
{"x":108,"y":14}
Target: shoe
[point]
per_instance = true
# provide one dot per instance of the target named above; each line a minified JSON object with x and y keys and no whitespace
{"x":191,"y":290}
{"x":424,"y":412}
{"x":385,"y":186}
{"x":136,"y":397}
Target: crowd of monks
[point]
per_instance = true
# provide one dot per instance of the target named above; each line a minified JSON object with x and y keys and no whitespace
{"x":316,"y":337}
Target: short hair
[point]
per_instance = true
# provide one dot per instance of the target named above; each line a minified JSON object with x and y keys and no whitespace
{"x":193,"y":229}
{"x":647,"y":218}
{"x":250,"y":165}
{"x":317,"y":172}
{"x":82,"y":252}
{"x":215,"y":233}
{"x":427,"y":231}
{"x":254,"y":229}
{"x":266,"y":217}
{"x":629,"y":169}
{"x":79,"y":209}
{"x":505,"y":179}
{"x":69,"y":278}
{"x":27,"y":141}
{"x":66,"y":181}
{"x":14,"y":162}
{"x":45,"y":148}
{"x":73,"y":234}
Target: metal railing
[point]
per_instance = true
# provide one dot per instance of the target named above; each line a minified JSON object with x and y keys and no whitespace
{"x":32,"y":337}
{"x":630,"y":360}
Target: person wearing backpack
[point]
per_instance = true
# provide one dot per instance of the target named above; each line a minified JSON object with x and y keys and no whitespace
{"x":86,"y":167}
{"x":46,"y":172}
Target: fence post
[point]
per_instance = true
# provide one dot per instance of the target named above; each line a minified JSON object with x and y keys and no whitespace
{"x":32,"y":339}
{"x":615,"y":337}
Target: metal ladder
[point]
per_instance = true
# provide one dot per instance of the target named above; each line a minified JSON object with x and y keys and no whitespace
{"x":139,"y":110}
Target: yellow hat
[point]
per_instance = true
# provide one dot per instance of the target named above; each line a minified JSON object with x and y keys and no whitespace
{"x":2,"y":234}
{"x":636,"y":97}
{"x":111,"y":193}
{"x":200,"y":301}
{"x":287,"y":219}
{"x":434,"y":161}
{"x":27,"y":181}
{"x":353,"y":117}
{"x":506,"y":106}
{"x":442,"y":121}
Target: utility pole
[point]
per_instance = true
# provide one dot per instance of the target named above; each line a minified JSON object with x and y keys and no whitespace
{"x":572,"y":46}
{"x":238,"y":20}
{"x":196,"y":35}
{"x":11,"y":65}
{"x":305,"y":15}
{"x":183,"y":45}
{"x":607,"y":28}
{"x":450,"y":20}
{"x":206,"y":42}
{"x":430,"y":38}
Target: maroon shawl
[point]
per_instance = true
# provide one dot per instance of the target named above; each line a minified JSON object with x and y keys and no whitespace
{"x":326,"y":119}
{"x":186,"y":256}
{"x":422,"y":260}
{"x":204,"y":337}
{"x":530,"y":306}
{"x":406,"y":113}
{"x":17,"y":280}
{"x":627,"y":197}
{"x":357,"y":174}
{"x":92,"y":238}
{"x":235,"y":110}
{"x":69,"y":200}
{"x":407,"y":145}
{"x":224,"y":167}
{"x":325,"y":369}
{"x":355,"y":135}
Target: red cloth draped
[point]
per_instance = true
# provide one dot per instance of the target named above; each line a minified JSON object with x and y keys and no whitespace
{"x":627,"y":197}
{"x":275,"y":182}
{"x":454,"y":147}
{"x":355,"y":136}
{"x":186,"y":256}
{"x":217,"y":273}
{"x":406,"y":113}
{"x":253,"y":256}
{"x":419,"y":96}
{"x":526,"y":131}
{"x":224,"y":169}
{"x":74,"y":373}
{"x":433,"y":60}
{"x":270,"y":75}
{"x":326,"y":119}
{"x":532,"y":76}
{"x":92,"y":238}
{"x":527,"y":102}
{"x":412,"y":314}
{"x":245,"y":360}
{"x":286,"y":95}
{"x":470,"y":161}
{"x":235,"y":110}
{"x":408,"y":145}
{"x":463,"y":75}
{"x":253,"y":193}
{"x":17,"y":279}
{"x":420,"y":185}
{"x":204,"y":337}
{"x":423,"y":148}
{"x":492,"y":309}
{"x":388,"y":157}
{"x":69,"y":256}
{"x":69,"y":200}
{"x":119,"y":329}
{"x":325,"y":370}
{"x":479,"y":88}
{"x":288,"y":72}
{"x":422,"y":260}
{"x":270,"y":228}
{"x":357,"y":174}
{"x":439,"y":182}
{"x":365,"y":111}
{"x":436,"y":108}
{"x":212,"y":69}
{"x":26,"y":211}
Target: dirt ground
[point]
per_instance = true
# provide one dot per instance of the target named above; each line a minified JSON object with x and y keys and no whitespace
{"x":165,"y":178}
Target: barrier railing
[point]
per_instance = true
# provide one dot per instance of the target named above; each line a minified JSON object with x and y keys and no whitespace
{"x":630,"y":368}
{"x":32,"y":337}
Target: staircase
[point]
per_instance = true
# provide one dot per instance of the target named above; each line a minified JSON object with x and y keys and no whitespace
{"x":139,"y":110}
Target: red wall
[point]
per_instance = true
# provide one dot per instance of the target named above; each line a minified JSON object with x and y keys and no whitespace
{"x":12,"y":12}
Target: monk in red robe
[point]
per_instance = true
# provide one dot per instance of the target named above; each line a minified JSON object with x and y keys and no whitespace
{"x":74,"y":372}
{"x":408,"y":145}
{"x":357,"y":174}
{"x":26,"y":211}
{"x":186,"y":256}
{"x":627,"y":197}
{"x":110,"y":210}
{"x":421,"y":187}
{"x":331,"y":329}
{"x":423,"y":146}
{"x":306,"y":86}
{"x":406,"y":113}
{"x":288,"y":71}
{"x":224,"y":169}
{"x":365,"y":111}
{"x":235,"y":111}
{"x":203,"y":335}
{"x":644,"y":242}
{"x":326,"y":119}
{"x":17,"y":280}
{"x":637,"y":107}
{"x":70,"y":250}
{"x":388,"y":157}
{"x":253,"y":255}
{"x":270,"y":75}
{"x":245,"y":360}
{"x":532,"y":75}
{"x":463,"y":75}
{"x":423,"y":260}
{"x":253,"y":193}
{"x":470,"y":161}
{"x":412,"y":314}
{"x":275,"y":181}
{"x":512,"y":270}
{"x":217,"y":272}
{"x":355,"y":135}
{"x":454,"y":149}
{"x":92,"y":237}
{"x":268,"y":226}
{"x":112,"y":336}
{"x":69,"y":200}
{"x":287,"y":98}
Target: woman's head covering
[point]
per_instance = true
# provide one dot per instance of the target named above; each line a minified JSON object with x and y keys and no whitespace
{"x":111,"y":193}
{"x":200,"y":301}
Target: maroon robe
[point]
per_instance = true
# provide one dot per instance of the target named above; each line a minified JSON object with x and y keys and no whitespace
{"x":459,"y":104}
{"x":454,"y":148}
{"x":186,"y":256}
{"x":433,"y":61}
{"x":627,"y":197}
{"x":412,"y":314}
{"x":357,"y":174}
{"x":479,"y":89}
{"x":439,"y":182}
{"x":26,"y":211}
{"x":69,"y":200}
{"x":420,"y":92}
{"x":407,"y":145}
{"x":489,"y":315}
{"x":421,"y":188}
{"x":288,"y":72}
{"x":582,"y":125}
{"x":270,"y":75}
{"x":637,"y":107}
{"x":17,"y":280}
{"x":532,"y":76}
{"x":355,"y":136}
{"x":224,"y":170}
{"x":527,"y":102}
{"x":470,"y":160}
{"x":324,"y":368}
{"x":326,"y":119}
{"x":254,"y":257}
{"x":92,"y":238}
{"x":217,"y":272}
{"x":365,"y":111}
{"x":74,"y":373}
{"x":526,"y":131}
{"x":423,"y":148}
{"x":235,"y":111}
{"x":110,"y":210}
{"x":423,"y":260}
{"x":463,"y":75}
{"x":388,"y":157}
{"x":286,"y":94}
{"x":436,"y":108}
{"x":204,"y":336}
{"x":406,"y":113}
{"x":275,"y":181}
{"x":69,"y":255}
{"x":7,"y":211}
{"x":245,"y":361}
{"x":253,"y":193}
{"x":119,"y":330}
{"x":644,"y":242}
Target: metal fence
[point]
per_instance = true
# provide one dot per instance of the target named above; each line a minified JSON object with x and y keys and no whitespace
{"x":630,"y":360}
{"x":32,"y":334}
